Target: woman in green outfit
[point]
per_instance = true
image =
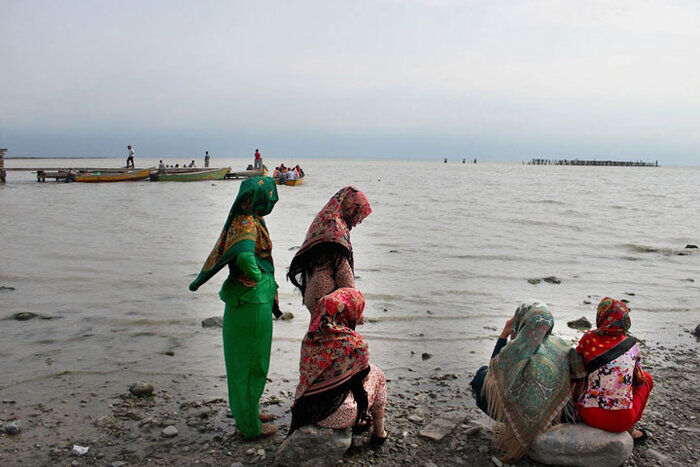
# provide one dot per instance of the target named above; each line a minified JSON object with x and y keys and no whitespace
{"x":249,"y":293}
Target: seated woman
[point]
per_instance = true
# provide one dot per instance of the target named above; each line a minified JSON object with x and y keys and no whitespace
{"x":324,"y":262}
{"x":337,"y":385}
{"x":528,"y":383}
{"x":617,"y":388}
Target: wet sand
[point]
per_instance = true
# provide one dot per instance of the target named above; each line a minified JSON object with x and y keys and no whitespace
{"x":97,"y":410}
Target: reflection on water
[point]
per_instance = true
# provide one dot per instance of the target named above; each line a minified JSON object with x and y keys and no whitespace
{"x":443,"y":260}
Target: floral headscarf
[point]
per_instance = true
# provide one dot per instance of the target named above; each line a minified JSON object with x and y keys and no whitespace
{"x":244,"y":229}
{"x":332,"y":352}
{"x":333,"y":223}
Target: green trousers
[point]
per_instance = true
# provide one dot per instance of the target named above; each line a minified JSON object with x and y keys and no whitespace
{"x":247,"y":343}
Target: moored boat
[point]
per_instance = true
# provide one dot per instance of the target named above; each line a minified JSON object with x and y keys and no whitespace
{"x":128,"y":176}
{"x":192,"y":176}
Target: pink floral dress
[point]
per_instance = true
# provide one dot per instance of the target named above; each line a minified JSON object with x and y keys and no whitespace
{"x":344,"y":417}
{"x":610,"y":386}
{"x":322,"y":283}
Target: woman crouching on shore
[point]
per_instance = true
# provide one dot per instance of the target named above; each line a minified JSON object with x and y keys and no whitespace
{"x":249,"y":293}
{"x":617,"y":388}
{"x":337,"y":385}
{"x":324,"y":262}
{"x":528,"y":384}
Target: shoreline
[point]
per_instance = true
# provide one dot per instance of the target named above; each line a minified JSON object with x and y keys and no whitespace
{"x":96,"y":409}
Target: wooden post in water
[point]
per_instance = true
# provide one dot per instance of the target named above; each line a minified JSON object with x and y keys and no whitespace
{"x":2,"y":165}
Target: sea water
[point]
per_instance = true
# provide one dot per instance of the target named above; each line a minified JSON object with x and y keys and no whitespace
{"x":443,"y":260}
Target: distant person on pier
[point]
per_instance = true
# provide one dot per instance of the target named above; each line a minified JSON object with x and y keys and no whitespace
{"x":324,"y":262}
{"x":528,"y":383}
{"x":250,"y":294}
{"x":258,"y":160}
{"x":338,"y":387}
{"x":475,"y":160}
{"x":130,"y":158}
{"x":617,"y":387}
{"x":206,"y":158}
{"x":464,"y":161}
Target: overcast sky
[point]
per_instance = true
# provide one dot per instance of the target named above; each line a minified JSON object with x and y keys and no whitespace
{"x":493,"y":79}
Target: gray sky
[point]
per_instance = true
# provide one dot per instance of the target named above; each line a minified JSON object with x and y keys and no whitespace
{"x":493,"y":79}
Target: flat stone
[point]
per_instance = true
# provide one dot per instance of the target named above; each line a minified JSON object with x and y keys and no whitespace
{"x":581,"y":445}
{"x":312,"y":446}
{"x":426,"y":356}
{"x":169,"y":432}
{"x":581,"y":324}
{"x":442,"y":425}
{"x":534,"y":281}
{"x":689,"y":246}
{"x":141,"y":389}
{"x":213,"y":322}
{"x":552,"y":280}
{"x":287,"y":315}
{"x":5,"y":288}
{"x":24,"y":316}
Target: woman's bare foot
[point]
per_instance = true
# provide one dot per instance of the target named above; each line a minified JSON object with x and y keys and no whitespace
{"x":636,"y":433}
{"x":268,"y":429}
{"x":266,"y":417}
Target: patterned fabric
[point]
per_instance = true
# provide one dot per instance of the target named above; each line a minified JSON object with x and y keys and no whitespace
{"x":529,"y":382}
{"x":332,"y":352}
{"x":333,"y":223}
{"x":244,"y":229}
{"x":610,"y":386}
{"x":323,"y":281}
{"x":613,"y":322}
{"x":345,"y":416}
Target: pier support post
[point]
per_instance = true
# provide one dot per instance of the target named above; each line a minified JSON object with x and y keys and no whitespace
{"x":2,"y":165}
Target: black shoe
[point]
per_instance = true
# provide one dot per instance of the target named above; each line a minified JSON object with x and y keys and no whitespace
{"x":377,"y":441}
{"x":640,"y":439}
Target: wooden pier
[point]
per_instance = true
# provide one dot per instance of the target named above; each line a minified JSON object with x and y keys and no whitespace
{"x":539,"y":161}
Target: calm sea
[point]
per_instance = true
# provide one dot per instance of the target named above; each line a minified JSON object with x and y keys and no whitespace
{"x":443,"y":260}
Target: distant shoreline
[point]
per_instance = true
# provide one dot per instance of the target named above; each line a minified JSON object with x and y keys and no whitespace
{"x":58,"y":157}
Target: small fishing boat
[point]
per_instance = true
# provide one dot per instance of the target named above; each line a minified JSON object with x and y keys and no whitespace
{"x":191,"y":176}
{"x":295,"y":182}
{"x":128,"y":176}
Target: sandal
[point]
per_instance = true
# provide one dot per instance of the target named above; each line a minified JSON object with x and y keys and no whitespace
{"x":362,"y":426}
{"x":378,"y":441}
{"x":640,"y":439}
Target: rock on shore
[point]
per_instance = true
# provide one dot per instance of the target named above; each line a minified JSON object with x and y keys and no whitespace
{"x":581,"y":445}
{"x":312,"y":446}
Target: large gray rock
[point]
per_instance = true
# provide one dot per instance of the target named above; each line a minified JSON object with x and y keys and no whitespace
{"x":581,"y":445}
{"x":312,"y":446}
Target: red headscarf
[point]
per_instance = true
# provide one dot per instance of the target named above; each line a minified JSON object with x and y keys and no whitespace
{"x":334,"y":221}
{"x":613,"y":322}
{"x":332,"y":352}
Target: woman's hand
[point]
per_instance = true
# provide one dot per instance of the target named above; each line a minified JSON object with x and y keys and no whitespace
{"x":250,"y":283}
{"x":507,"y":329}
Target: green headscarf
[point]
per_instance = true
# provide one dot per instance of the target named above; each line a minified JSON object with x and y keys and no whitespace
{"x":529,"y":382}
{"x":244,"y":229}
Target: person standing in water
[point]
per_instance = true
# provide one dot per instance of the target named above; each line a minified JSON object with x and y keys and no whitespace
{"x":206,"y":158}
{"x":249,"y":292}
{"x":130,"y":157}
{"x":257,"y":165}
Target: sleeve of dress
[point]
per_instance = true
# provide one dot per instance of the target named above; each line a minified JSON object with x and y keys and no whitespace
{"x":500,"y":343}
{"x":638,"y":376}
{"x":344,"y":277}
{"x":248,"y":266}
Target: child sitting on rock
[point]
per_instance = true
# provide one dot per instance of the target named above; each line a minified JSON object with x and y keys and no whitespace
{"x":617,"y":389}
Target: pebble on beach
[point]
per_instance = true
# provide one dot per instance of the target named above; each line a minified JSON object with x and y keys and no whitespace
{"x":13,"y":428}
{"x":5,"y":288}
{"x":141,"y":389}
{"x":24,"y":316}
{"x":169,"y":432}
{"x":426,"y":356}
{"x":213,"y":322}
{"x":287,"y":315}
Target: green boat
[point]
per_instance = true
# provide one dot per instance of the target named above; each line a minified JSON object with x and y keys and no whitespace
{"x":191,"y":176}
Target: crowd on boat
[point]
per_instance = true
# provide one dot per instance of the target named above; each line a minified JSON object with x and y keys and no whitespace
{"x":162,"y":166}
{"x":283,"y":173}
{"x":533,"y":380}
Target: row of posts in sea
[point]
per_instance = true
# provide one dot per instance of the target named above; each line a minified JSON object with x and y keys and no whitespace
{"x":639,"y":163}
{"x":464,"y":160}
